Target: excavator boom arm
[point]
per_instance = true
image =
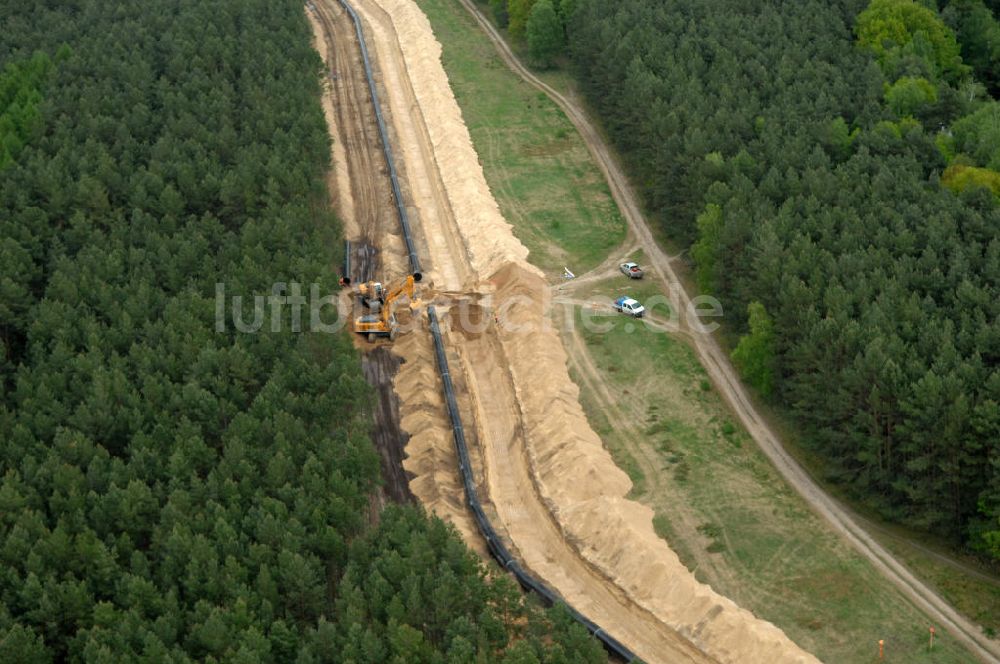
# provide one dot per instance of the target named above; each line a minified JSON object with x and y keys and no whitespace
{"x":383,"y":322}
{"x":404,"y":288}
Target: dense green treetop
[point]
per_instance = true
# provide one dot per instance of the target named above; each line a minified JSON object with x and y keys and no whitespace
{"x":806,"y":169}
{"x":978,"y":33}
{"x":170,"y":492}
{"x":899,"y":31}
{"x":978,"y":136}
{"x":20,"y":96}
{"x":544,"y":32}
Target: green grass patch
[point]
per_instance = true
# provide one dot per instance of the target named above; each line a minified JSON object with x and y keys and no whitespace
{"x":766,"y":549}
{"x":604,"y":428}
{"x":661,"y":525}
{"x":535,"y":162}
{"x":971,"y":587}
{"x":648,"y":291}
{"x":624,"y":336}
{"x":974,"y":596}
{"x":730,"y":516}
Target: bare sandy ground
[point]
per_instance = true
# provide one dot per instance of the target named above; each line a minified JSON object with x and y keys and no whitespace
{"x":339,"y":179}
{"x":557,"y":493}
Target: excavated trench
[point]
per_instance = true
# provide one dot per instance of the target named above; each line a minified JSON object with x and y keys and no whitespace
{"x":380,"y":367}
{"x":363,"y":198}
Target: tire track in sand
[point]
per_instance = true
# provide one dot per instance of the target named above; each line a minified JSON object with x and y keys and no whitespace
{"x":527,"y":520}
{"x":365,"y":204}
{"x":541,"y":542}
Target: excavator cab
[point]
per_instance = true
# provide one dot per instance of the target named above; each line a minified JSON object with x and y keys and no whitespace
{"x":372,"y":295}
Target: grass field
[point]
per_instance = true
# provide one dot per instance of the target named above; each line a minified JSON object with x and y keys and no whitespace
{"x":719,"y":502}
{"x":644,"y":290}
{"x":725,"y":510}
{"x":536,"y":164}
{"x":971,"y":586}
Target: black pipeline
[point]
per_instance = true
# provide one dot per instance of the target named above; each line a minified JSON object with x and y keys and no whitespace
{"x":404,"y":219}
{"x":493,"y":541}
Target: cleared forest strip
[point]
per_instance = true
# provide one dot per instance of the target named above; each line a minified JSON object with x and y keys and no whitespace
{"x":366,"y":195}
{"x":721,"y":504}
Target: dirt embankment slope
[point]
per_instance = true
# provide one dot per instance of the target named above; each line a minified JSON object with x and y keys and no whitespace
{"x":585,"y":492}
{"x":557,"y":493}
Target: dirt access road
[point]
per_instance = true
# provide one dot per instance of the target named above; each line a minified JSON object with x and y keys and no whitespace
{"x":723,"y":375}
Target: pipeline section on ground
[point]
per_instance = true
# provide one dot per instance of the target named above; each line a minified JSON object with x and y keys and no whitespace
{"x":404,"y":219}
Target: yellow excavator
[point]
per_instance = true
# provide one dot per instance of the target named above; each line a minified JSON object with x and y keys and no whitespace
{"x":381,"y":302}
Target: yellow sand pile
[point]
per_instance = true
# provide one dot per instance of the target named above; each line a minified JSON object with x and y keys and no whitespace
{"x":586,"y":492}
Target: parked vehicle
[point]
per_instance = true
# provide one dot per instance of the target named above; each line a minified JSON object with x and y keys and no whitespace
{"x":631,"y":270}
{"x":627,"y":305}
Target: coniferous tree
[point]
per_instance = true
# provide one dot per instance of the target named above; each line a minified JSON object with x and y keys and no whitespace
{"x":544,"y":32}
{"x":812,"y":186}
{"x":169,"y":491}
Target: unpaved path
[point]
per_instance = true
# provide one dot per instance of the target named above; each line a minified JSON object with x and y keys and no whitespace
{"x":609,"y":266}
{"x":561,"y":498}
{"x":363,"y":199}
{"x":361,"y":191}
{"x":626,"y":415}
{"x":723,"y":375}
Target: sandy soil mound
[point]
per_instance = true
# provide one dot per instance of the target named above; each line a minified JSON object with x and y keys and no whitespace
{"x":568,"y":457}
{"x":431,"y":457}
{"x":586,"y":492}
{"x":363,"y":199}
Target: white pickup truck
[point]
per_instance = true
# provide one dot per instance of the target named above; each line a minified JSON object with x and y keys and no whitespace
{"x":627,"y":305}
